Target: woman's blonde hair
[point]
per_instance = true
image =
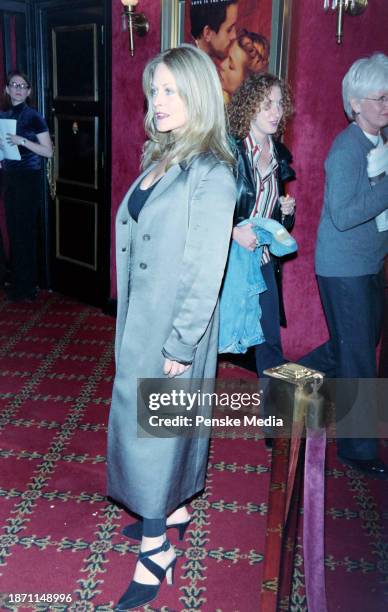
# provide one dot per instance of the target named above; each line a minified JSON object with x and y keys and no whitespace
{"x":247,"y":100}
{"x":199,"y":87}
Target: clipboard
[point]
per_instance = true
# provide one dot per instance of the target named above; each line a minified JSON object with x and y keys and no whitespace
{"x":8,"y":151}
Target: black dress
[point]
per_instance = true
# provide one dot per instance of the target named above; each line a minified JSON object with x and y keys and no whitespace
{"x":23,"y":196}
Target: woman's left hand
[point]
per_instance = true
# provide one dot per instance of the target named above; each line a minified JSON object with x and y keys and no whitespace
{"x":14,"y":139}
{"x":43,"y":145}
{"x":174,"y":368}
{"x":287,"y":205}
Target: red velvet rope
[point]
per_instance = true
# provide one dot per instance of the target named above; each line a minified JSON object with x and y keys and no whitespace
{"x":313,"y":519}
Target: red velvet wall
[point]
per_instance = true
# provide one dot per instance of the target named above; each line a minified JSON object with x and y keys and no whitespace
{"x":2,"y":85}
{"x":12,"y":23}
{"x":2,"y":68}
{"x":128,"y":104}
{"x":316,"y":68}
{"x":317,"y":65}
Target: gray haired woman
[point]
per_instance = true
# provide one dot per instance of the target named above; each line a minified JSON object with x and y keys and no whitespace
{"x":172,"y":238}
{"x":351,"y":247}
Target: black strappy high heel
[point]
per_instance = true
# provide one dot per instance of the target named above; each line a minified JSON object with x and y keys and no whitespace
{"x":138,"y":593}
{"x":135,"y":530}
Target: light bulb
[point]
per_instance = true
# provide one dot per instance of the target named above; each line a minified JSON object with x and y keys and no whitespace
{"x":129,"y":2}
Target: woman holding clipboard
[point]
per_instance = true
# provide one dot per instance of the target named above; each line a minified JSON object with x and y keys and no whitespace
{"x":23,"y":185}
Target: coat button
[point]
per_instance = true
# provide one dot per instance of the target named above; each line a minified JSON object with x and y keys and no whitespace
{"x":146,"y":237}
{"x":124,"y":221}
{"x":124,"y":249}
{"x":143,"y":266}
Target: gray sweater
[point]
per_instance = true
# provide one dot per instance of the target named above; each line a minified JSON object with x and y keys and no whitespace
{"x":348,"y":242}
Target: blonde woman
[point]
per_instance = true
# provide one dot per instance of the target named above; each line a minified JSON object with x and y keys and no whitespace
{"x":173,"y":230}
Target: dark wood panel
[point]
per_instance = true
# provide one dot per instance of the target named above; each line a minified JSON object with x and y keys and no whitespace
{"x":76,"y":243}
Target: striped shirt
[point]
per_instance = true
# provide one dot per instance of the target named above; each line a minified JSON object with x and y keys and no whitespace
{"x":266,"y":185}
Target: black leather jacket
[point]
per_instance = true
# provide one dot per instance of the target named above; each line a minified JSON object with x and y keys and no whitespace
{"x":246,"y":198}
{"x":246,"y":186}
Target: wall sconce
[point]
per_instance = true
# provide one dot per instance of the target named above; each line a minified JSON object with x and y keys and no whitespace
{"x":353,"y":7}
{"x":133,"y":22}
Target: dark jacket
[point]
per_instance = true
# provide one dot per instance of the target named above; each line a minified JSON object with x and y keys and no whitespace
{"x":246,"y":198}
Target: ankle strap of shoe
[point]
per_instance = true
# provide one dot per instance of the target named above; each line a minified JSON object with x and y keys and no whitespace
{"x":148,"y":553}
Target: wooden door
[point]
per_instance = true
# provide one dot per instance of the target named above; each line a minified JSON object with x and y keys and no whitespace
{"x":76,"y":79}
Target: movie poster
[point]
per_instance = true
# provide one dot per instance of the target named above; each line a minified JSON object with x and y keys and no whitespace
{"x":234,"y":33}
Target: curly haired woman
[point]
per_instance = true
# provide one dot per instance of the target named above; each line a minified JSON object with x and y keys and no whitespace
{"x":257,"y":113}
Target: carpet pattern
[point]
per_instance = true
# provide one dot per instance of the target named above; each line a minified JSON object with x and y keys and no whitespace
{"x":356,"y":542}
{"x":59,"y":534}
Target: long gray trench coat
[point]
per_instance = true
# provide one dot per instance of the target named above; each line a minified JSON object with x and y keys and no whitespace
{"x":169,"y":271}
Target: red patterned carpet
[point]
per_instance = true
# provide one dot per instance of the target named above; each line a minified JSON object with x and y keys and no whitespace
{"x":60,"y":536}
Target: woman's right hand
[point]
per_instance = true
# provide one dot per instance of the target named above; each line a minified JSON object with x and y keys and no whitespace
{"x":173,"y":368}
{"x":287,"y":205}
{"x":245,"y":236}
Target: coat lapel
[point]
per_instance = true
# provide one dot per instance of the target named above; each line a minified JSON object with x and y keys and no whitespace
{"x":170,"y":176}
{"x":164,"y":183}
{"x":124,"y":202}
{"x":363,"y":140}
